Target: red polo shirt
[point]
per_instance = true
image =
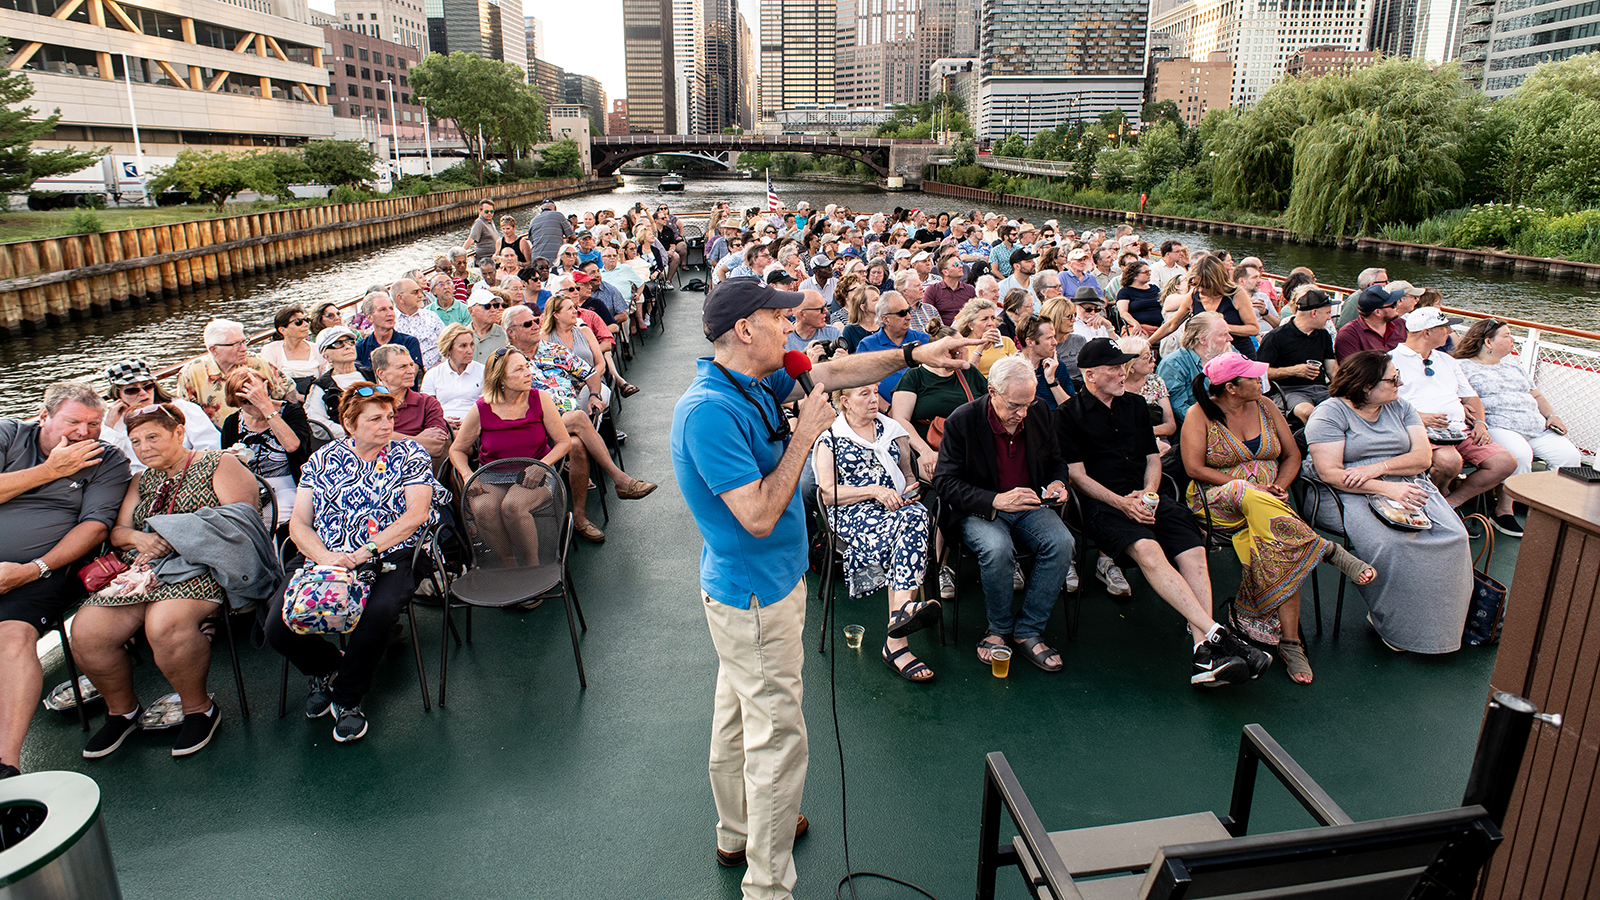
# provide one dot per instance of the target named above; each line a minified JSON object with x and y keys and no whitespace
{"x":948,"y":302}
{"x":1010,"y":453}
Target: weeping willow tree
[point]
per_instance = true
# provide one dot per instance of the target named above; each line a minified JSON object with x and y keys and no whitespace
{"x":1255,"y":151}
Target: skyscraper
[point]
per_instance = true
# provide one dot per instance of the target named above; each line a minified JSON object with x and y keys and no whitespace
{"x":747,"y":77}
{"x":689,"y":64}
{"x":945,"y":29}
{"x":1045,"y":62}
{"x":721,"y":86}
{"x":647,"y":45}
{"x":533,"y":36}
{"x":797,"y":53}
{"x":494,"y":29}
{"x":876,"y":53}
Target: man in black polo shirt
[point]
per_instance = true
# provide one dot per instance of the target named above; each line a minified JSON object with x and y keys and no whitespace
{"x":1299,"y":353}
{"x":60,"y":489}
{"x":1110,"y":450}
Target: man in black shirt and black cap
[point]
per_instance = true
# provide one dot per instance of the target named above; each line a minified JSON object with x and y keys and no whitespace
{"x":1299,"y":354}
{"x":1106,"y":439}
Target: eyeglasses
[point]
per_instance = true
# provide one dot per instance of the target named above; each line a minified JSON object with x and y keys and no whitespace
{"x":372,"y":389}
{"x":136,"y":389}
{"x":241,"y":342}
{"x":300,"y":321}
{"x":342,"y":342}
{"x":1394,"y":381}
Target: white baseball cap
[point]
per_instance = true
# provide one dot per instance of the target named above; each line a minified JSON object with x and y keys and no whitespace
{"x":1428,"y":317}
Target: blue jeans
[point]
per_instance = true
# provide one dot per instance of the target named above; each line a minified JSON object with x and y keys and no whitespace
{"x":1042,"y":532}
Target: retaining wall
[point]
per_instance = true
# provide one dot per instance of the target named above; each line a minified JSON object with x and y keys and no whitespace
{"x":1489,"y":260}
{"x":47,"y":281}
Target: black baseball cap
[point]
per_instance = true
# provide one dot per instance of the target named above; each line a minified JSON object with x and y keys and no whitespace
{"x":1102,"y":352}
{"x":736,"y":298}
{"x":1375,"y":298}
{"x":1313,"y":299}
{"x":779,"y":277}
{"x":1022,"y":253}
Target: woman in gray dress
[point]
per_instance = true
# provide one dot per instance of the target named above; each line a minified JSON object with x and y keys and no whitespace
{"x":1365,"y":440}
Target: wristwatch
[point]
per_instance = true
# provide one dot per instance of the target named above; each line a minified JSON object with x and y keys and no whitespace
{"x":44,"y":568}
{"x":1052,"y":384}
{"x":372,"y":548}
{"x":910,"y":347}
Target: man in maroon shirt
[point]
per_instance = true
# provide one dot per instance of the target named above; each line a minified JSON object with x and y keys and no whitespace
{"x":1000,"y":474}
{"x":1378,"y":327}
{"x":417,"y":416}
{"x":950,"y":293}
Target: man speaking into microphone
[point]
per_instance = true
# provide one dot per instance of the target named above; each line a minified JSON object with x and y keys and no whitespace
{"x":738,"y":460}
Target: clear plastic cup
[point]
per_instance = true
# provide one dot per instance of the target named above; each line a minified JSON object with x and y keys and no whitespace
{"x":1000,"y":662}
{"x":853,"y":635}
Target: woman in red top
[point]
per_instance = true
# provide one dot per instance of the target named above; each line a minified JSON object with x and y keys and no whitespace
{"x":512,"y":419}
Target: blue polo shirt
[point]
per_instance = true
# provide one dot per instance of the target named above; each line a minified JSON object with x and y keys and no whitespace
{"x":1070,"y":283}
{"x":719,"y":443}
{"x":880,"y":341}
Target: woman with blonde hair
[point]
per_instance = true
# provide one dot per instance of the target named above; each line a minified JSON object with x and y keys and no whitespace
{"x":1063,"y":314}
{"x":457,"y":381}
{"x":981,"y":318}
{"x":1212,"y":291}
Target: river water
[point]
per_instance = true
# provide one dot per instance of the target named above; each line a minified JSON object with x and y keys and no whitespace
{"x":169,"y":331}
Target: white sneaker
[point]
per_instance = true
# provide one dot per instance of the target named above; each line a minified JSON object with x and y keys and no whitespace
{"x":1070,"y":583}
{"x":1112,"y":578}
{"x":947,"y":583}
{"x":1017,"y":581}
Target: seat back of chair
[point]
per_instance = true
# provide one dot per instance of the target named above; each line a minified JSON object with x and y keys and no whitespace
{"x":267,"y":500}
{"x":500,"y":498}
{"x":320,"y":435}
{"x":1395,"y":858}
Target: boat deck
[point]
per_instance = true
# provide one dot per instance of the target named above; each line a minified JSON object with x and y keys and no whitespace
{"x":525,"y":786}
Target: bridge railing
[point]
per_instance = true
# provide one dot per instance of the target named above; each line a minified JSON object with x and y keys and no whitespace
{"x":736,"y":140}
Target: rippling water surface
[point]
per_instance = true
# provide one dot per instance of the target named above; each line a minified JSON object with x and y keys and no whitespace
{"x":169,"y":331}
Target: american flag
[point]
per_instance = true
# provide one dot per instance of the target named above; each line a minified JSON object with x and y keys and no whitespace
{"x":772,"y":196}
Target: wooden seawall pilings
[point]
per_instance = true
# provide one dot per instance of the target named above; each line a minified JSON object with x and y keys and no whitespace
{"x":44,"y":282}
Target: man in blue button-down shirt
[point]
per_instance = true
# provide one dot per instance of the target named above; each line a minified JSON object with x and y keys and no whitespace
{"x":1077,"y":275}
{"x":738,"y":461}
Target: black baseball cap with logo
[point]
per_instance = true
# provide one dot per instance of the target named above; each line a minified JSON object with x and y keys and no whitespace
{"x":736,"y":298}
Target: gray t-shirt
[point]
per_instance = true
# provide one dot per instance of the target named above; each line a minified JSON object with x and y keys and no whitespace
{"x":1507,"y":396}
{"x":35,"y":521}
{"x":484,"y":236}
{"x":1364,"y":442}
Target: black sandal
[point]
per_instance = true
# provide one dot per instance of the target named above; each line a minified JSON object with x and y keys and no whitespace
{"x":1037,"y":651}
{"x":914,"y":617}
{"x":915,"y":671}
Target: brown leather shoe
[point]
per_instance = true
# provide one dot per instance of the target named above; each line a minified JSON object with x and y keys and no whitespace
{"x":733,"y":859}
{"x":637,"y":491}
{"x":589,"y":532}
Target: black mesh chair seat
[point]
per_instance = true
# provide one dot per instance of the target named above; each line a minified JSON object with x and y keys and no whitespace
{"x":505,"y":587}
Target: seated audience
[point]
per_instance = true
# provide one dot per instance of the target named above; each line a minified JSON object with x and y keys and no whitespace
{"x":811,"y":328}
{"x":444,"y":303}
{"x":1143,"y":382}
{"x":1519,"y":417}
{"x":488,"y":335}
{"x":134,"y":386}
{"x":1433,"y":383}
{"x":1365,"y":441}
{"x":981,"y":319}
{"x":1110,"y":452}
{"x":1242,"y":458}
{"x":1139,"y":301}
{"x":380,"y":309}
{"x":1377,"y":325}
{"x":868,"y":491}
{"x":1017,"y":309}
{"x":325,"y":314}
{"x":1038,"y":337}
{"x":1299,"y":353}
{"x":1212,"y":290}
{"x":177,"y":481}
{"x":998,"y":452}
{"x":924,"y":318}
{"x":1204,"y":337}
{"x":457,"y":382}
{"x":292,"y":354}
{"x":201,"y":380}
{"x":364,"y":503}
{"x":412,"y":317}
{"x":512,"y":419}
{"x":894,"y":331}
{"x":276,"y":434}
{"x":338,"y":347}
{"x":60,"y":490}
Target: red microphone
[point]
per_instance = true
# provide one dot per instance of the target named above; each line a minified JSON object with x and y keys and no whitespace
{"x":798,"y":365}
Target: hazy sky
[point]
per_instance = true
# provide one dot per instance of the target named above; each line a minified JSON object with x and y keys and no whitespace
{"x":585,"y":36}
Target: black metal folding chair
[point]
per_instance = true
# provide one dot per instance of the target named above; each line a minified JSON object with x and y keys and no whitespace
{"x":507,"y":568}
{"x":1315,"y":495}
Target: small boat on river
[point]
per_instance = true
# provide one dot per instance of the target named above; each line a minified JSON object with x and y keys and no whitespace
{"x":671,"y":182}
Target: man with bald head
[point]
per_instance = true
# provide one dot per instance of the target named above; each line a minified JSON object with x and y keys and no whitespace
{"x":379,"y":309}
{"x":413,"y":317}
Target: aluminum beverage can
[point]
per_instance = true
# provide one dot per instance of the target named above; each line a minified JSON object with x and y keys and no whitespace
{"x":1151,"y":500}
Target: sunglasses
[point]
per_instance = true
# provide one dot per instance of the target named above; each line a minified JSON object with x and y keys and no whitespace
{"x":496,"y":305}
{"x":372,"y":389}
{"x":301,"y":321}
{"x":524,"y":325}
{"x":342,"y":342}
{"x":903,"y":312}
{"x":135,"y":389}
{"x":1427,"y":367}
{"x":503,"y":351}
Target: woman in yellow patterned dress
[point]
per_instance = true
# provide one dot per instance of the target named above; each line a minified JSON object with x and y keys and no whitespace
{"x":1237,"y":447}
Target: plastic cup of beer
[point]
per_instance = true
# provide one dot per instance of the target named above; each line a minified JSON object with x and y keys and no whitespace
{"x":853,"y":635}
{"x":1000,"y":662}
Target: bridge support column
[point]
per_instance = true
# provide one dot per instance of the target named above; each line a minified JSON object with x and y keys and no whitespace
{"x":908,"y":159}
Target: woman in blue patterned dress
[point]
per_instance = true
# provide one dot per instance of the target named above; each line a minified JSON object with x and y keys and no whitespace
{"x":886,"y":531}
{"x":363,"y":504}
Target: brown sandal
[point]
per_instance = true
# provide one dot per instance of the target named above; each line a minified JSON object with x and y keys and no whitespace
{"x":1295,"y":659}
{"x":1350,"y":565}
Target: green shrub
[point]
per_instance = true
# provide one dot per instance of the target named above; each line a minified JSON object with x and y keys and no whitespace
{"x":1496,"y":225}
{"x":342,"y":194}
{"x":1575,"y":236}
{"x":84,"y":221}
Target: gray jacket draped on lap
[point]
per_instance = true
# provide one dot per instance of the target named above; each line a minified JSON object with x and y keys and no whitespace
{"x":228,"y":542}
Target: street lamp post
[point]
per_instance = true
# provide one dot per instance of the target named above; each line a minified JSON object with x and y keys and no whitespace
{"x":138,"y":148}
{"x":427,"y":137}
{"x":394,"y":133}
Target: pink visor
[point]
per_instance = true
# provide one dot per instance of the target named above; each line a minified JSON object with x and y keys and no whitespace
{"x":1232,"y":365}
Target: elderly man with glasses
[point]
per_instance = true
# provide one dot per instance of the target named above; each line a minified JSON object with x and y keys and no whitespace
{"x":487,"y":333}
{"x":894,"y":332}
{"x":811,"y":328}
{"x":202,"y":380}
{"x":134,"y":386}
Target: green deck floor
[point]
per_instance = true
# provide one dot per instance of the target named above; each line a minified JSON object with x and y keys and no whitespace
{"x":525,"y":786}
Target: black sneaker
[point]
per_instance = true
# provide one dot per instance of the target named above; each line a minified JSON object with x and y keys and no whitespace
{"x":1507,"y":524}
{"x":1254,"y":657}
{"x":352,"y":724}
{"x":1214,"y":667}
{"x":320,"y":698}
{"x":111,"y":735}
{"x":196,"y":731}
{"x":6,"y":771}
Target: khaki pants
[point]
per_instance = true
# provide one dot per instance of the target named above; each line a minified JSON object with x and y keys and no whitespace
{"x":758,"y":736}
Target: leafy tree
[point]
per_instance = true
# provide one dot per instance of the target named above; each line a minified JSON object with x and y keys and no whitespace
{"x":1085,"y":156}
{"x":563,"y":159}
{"x":1046,"y":145}
{"x":1117,"y":168}
{"x":1011,"y":145}
{"x":20,"y":164}
{"x":1161,"y":111}
{"x":1540,"y":107}
{"x":1574,"y":176}
{"x":1161,"y":154}
{"x":965,"y":153}
{"x":275,"y":170}
{"x":1112,"y":124}
{"x":347,"y":163}
{"x":481,"y":96}
{"x":214,"y":177}
{"x":1255,"y":153}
